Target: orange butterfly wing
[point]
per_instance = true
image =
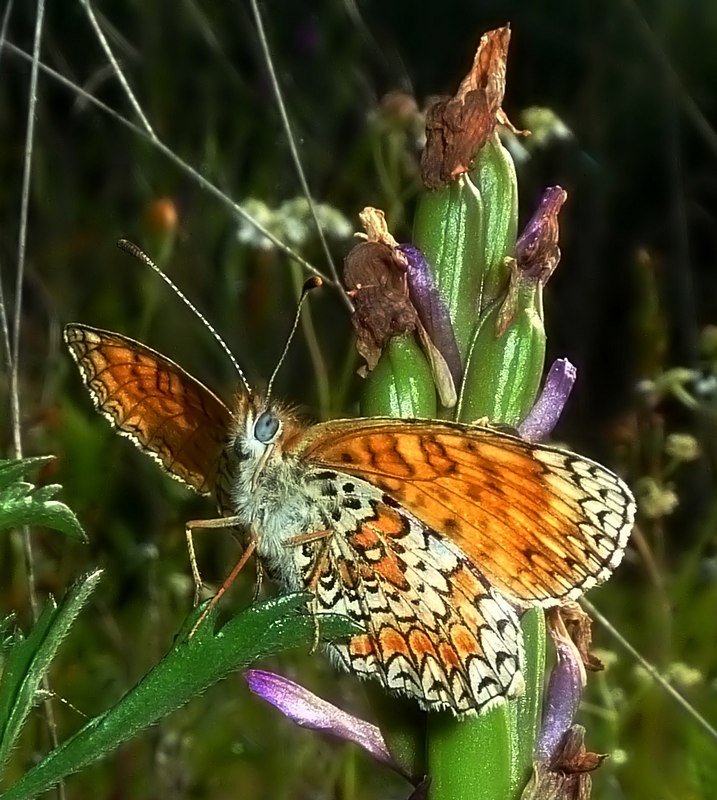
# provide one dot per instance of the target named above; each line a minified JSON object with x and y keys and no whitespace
{"x":543,"y":525}
{"x":153,"y":402}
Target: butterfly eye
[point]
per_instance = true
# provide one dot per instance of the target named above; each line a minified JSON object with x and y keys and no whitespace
{"x":266,"y":427}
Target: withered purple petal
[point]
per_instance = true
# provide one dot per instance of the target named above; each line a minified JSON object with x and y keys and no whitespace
{"x":536,"y":251}
{"x":544,"y":415}
{"x":562,"y":698}
{"x":432,"y":311}
{"x":310,"y":711}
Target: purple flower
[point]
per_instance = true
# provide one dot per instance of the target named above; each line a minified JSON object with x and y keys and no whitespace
{"x":431,"y":309}
{"x":536,"y":250}
{"x":565,"y":688}
{"x":544,"y":415}
{"x":310,"y":711}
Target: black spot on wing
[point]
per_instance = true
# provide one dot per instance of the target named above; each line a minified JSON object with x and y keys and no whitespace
{"x":386,"y":499}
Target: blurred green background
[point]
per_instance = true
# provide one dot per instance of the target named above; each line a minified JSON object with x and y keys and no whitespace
{"x":635,"y":297}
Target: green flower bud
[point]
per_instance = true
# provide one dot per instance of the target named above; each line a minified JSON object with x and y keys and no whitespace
{"x":505,"y":363}
{"x":448,"y":228}
{"x":401,"y":385}
{"x":494,"y":176}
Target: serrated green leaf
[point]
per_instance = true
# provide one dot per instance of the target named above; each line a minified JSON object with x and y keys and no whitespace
{"x":21,"y":503}
{"x":45,"y":493}
{"x":12,"y":469}
{"x":189,"y":668}
{"x":16,"y":492}
{"x":28,"y":659}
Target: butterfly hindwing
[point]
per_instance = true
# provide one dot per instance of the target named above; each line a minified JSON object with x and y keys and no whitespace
{"x":541,"y":524}
{"x":153,"y":402}
{"x":435,"y":629}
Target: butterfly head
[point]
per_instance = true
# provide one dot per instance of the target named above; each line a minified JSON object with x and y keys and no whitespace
{"x":261,"y":432}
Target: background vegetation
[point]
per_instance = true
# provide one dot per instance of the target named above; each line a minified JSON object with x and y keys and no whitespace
{"x":634,"y":298}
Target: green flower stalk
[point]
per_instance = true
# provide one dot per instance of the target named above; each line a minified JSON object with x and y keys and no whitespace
{"x":482,"y":756}
{"x":454,"y":328}
{"x":491,"y":286}
{"x":493,"y":754}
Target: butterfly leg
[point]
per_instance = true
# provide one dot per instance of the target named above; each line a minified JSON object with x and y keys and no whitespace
{"x":258,"y":582}
{"x":191,"y":526}
{"x":228,"y":581}
{"x":303,"y":538}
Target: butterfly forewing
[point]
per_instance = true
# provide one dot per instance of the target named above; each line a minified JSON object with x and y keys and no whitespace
{"x":154,"y":402}
{"x":542,"y":525}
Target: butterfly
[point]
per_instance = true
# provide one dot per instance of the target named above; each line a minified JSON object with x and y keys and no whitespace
{"x":434,"y":536}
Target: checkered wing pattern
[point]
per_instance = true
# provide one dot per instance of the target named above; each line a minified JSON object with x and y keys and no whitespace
{"x":435,"y":628}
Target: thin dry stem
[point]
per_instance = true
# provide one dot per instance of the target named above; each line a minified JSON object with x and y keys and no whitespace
{"x":654,"y":673}
{"x":206,"y":184}
{"x":15,"y":341}
{"x":281,"y":106}
{"x":124,"y":83}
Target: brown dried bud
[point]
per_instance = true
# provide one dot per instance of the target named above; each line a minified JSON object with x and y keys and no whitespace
{"x":375,"y":278}
{"x":457,"y":127}
{"x":568,"y":777}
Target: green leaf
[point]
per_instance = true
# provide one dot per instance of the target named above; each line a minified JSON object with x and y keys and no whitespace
{"x":13,"y":469}
{"x":190,"y":667}
{"x":21,"y":503}
{"x":26,"y":660}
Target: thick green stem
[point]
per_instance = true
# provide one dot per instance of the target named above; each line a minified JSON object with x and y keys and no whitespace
{"x":468,"y":232}
{"x":489,"y":757}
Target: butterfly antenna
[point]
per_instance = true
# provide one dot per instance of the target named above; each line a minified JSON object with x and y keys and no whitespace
{"x":311,"y":283}
{"x":140,"y":255}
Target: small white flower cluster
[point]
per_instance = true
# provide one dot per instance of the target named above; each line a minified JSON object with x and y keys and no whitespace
{"x":292,"y":222}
